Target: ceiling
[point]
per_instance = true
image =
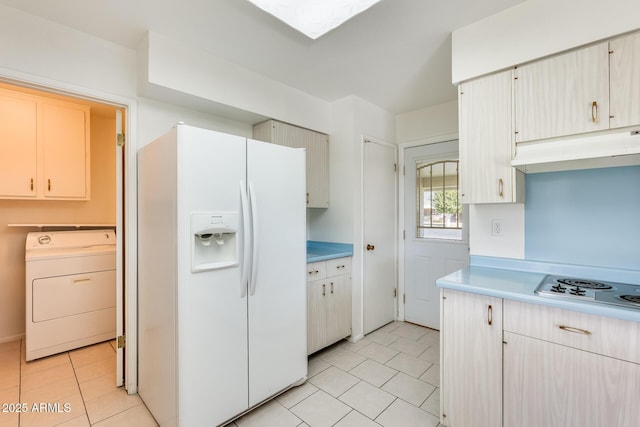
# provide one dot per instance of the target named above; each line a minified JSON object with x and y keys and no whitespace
{"x":397,"y":54}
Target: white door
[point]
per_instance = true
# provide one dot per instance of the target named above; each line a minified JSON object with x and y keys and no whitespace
{"x":277,"y":288}
{"x":119,"y":255}
{"x":436,"y":237}
{"x":379,"y":223}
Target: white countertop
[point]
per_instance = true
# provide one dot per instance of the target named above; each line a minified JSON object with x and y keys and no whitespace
{"x":520,"y":285}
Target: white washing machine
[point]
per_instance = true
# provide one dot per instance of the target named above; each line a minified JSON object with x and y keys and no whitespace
{"x":70,"y":290}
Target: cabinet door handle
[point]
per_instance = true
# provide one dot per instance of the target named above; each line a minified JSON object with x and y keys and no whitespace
{"x":49,"y":185}
{"x":331,"y":287}
{"x":324,"y":289}
{"x":490,"y":315}
{"x":594,"y":111}
{"x":574,"y":330}
{"x":31,"y":184}
{"x":501,"y":187}
{"x":307,"y":198}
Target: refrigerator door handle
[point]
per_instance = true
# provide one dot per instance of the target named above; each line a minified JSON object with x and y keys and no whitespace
{"x":246,"y":247}
{"x":255,"y":237}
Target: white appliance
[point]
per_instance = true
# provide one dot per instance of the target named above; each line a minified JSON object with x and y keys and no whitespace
{"x":221,"y":266}
{"x":70,"y":290}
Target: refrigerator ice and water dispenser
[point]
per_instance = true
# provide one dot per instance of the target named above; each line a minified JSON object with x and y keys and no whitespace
{"x":214,"y":240}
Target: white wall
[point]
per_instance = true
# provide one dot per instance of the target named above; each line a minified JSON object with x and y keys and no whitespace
{"x":352,"y":117}
{"x":179,"y":67}
{"x":427,"y":122}
{"x":38,"y":47}
{"x":534,"y":29}
{"x":159,"y":117}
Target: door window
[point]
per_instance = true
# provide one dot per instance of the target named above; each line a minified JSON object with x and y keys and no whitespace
{"x":439,"y":208}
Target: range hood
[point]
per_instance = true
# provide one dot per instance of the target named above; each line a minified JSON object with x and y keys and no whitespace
{"x":585,"y":152}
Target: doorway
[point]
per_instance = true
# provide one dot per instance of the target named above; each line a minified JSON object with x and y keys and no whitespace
{"x":435,"y":227}
{"x":104,"y":209}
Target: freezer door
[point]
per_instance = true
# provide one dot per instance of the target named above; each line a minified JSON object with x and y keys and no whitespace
{"x":277,"y":296}
{"x":212,"y":307}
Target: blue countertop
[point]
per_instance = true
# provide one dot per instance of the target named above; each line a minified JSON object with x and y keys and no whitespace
{"x":519,"y":285}
{"x":322,"y":251}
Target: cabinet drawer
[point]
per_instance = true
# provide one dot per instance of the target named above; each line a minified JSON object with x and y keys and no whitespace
{"x":316,"y":270}
{"x":338,"y":266}
{"x":599,"y":334}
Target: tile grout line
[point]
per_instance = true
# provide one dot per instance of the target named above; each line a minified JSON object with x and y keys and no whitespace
{"x":75,"y":375}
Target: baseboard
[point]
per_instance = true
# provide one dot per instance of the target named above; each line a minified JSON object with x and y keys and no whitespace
{"x":356,"y":338}
{"x":11,"y":338}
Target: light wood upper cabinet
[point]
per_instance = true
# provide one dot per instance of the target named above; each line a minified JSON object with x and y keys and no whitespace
{"x":563,"y":95}
{"x":486,"y":144}
{"x":624,"y":60}
{"x":18,"y":145}
{"x":471,"y":359}
{"x":45,"y":148}
{"x":317,"y":148}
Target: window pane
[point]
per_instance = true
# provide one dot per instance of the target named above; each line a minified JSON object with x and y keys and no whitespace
{"x":438,"y":200}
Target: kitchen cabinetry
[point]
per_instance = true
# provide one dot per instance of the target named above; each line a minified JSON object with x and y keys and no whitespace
{"x":18,"y":145}
{"x":45,"y":146}
{"x":486,"y":144}
{"x":471,"y":359}
{"x":624,"y":63}
{"x":328,"y":302}
{"x":317,"y":147}
{"x":563,"y":95}
{"x":565,"y":368}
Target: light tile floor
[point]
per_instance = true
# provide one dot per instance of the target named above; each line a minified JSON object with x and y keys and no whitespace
{"x":390,"y":378}
{"x":71,"y":389}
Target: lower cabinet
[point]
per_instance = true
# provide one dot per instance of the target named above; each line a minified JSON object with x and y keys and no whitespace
{"x":471,"y":359}
{"x":328,"y":303}
{"x":548,"y":384}
{"x":564,"y":368}
{"x":509,"y":363}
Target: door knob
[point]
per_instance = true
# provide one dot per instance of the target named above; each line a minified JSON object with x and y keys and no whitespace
{"x":370,"y":247}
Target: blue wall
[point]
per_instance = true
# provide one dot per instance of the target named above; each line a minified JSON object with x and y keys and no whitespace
{"x":586,"y":217}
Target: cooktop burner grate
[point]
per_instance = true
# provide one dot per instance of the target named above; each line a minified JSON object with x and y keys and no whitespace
{"x":634,"y":299}
{"x":581,"y":283}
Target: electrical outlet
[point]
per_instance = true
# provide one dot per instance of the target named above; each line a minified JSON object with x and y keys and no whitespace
{"x":496,"y":227}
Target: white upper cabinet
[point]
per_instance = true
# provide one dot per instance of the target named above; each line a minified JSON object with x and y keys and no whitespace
{"x":486,"y":144}
{"x":18,"y":145}
{"x":624,"y":60}
{"x":563,"y":95}
{"x":317,"y":147}
{"x":66,"y":150}
{"x":45,"y":148}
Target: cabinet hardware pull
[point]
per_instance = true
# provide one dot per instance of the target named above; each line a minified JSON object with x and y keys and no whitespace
{"x":594,"y":111}
{"x":331,"y":287}
{"x":574,"y":330}
{"x":370,"y":247}
{"x":49,"y":185}
{"x":501,"y":187}
{"x":324,"y":289}
{"x":307,"y":198}
{"x":490,"y":315}
{"x":31,"y":184}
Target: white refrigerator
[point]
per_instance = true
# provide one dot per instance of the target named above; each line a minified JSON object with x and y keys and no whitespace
{"x":221,"y":275}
